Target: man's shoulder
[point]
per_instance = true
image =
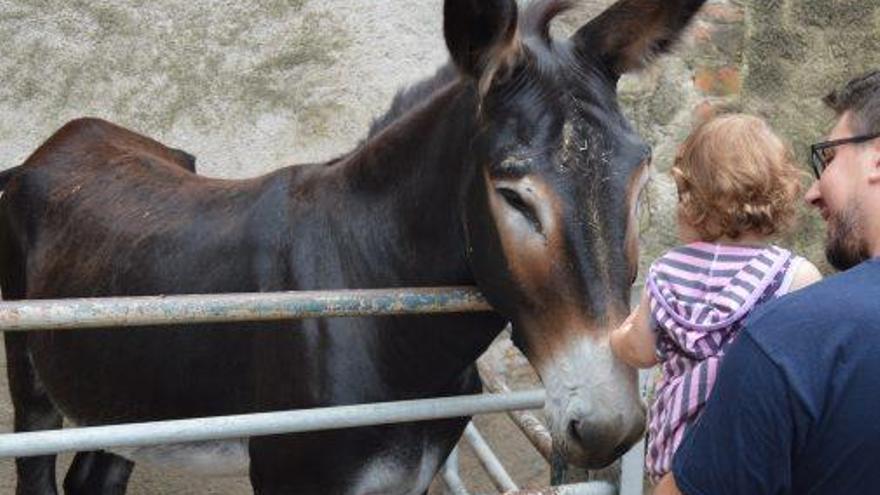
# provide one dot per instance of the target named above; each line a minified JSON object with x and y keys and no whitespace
{"x":799,"y":385}
{"x":845,"y":300}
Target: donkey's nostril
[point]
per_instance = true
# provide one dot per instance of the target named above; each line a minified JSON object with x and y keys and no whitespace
{"x":586,"y":433}
{"x":573,"y":430}
{"x":604,"y":435}
{"x":621,"y":449}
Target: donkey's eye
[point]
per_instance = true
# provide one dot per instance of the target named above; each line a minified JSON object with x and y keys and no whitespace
{"x":516,"y":201}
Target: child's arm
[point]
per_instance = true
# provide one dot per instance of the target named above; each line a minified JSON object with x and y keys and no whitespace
{"x":805,"y":274}
{"x":635,"y":342}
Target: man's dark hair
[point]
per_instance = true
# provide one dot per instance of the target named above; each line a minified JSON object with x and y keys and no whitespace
{"x":861,"y":96}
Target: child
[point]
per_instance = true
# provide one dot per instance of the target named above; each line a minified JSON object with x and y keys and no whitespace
{"x":737,"y":185}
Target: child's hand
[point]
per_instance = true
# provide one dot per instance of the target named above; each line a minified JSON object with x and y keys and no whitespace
{"x":634,"y":342}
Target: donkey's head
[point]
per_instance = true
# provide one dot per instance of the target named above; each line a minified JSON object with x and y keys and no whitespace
{"x":550,"y":211}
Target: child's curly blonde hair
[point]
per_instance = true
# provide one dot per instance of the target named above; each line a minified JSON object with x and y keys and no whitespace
{"x":736,"y":176}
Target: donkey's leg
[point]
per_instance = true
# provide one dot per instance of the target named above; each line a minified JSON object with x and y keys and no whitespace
{"x":97,"y":473}
{"x":33,"y":411}
{"x":78,"y":472}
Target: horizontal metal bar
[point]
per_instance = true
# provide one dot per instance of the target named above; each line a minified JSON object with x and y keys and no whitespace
{"x":213,"y":308}
{"x":588,"y":488}
{"x":247,"y":425}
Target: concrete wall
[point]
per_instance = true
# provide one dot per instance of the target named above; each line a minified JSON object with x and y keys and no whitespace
{"x":247,"y":86}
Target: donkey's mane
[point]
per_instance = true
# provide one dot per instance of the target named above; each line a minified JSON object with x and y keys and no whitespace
{"x":534,"y":25}
{"x":409,"y":97}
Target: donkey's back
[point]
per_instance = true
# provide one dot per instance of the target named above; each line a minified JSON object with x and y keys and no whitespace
{"x":119,"y":213}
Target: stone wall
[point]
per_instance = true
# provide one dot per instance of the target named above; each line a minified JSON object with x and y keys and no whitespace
{"x":795,"y":52}
{"x":704,"y":76}
{"x":774,"y":58}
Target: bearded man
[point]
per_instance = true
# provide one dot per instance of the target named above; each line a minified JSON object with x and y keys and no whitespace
{"x":794,"y":408}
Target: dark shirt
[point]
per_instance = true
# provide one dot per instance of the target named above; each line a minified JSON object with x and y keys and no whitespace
{"x":796,"y":406}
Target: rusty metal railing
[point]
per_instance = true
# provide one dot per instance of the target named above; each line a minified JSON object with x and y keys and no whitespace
{"x":118,"y":312}
{"x":245,"y":425}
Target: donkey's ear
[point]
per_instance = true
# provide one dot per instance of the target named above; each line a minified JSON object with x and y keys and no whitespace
{"x":631,"y":32}
{"x":479,"y":33}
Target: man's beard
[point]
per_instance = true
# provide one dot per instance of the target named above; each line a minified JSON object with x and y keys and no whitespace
{"x":845,"y":245}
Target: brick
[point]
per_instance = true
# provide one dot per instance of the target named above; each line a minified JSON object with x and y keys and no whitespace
{"x":722,"y":13}
{"x":729,"y":80}
{"x":704,"y":80}
{"x":704,"y":111}
{"x":702,"y":32}
{"x":724,"y":81}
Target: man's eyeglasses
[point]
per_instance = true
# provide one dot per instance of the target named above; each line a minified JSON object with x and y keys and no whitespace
{"x":821,"y":154}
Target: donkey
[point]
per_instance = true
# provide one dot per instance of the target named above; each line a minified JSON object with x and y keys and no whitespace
{"x":513,"y":169}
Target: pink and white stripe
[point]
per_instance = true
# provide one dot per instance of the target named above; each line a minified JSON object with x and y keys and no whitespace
{"x":700,"y":294}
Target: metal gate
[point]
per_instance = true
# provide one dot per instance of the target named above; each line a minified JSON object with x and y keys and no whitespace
{"x":121,"y":312}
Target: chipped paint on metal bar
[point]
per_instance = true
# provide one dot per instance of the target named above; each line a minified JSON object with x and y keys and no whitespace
{"x":119,"y":312}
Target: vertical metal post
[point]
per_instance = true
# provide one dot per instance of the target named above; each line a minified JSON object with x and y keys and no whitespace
{"x":632,"y":476}
{"x":451,"y":476}
{"x":632,"y":480}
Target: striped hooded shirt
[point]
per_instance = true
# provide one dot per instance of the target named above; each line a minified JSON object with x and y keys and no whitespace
{"x":699,"y":296}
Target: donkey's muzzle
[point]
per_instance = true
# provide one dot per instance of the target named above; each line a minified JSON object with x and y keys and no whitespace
{"x":602,"y":442}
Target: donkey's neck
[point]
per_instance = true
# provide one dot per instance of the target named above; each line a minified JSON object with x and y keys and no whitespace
{"x":407,"y":183}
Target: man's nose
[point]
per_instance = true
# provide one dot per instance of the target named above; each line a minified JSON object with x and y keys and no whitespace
{"x":812,"y":195}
